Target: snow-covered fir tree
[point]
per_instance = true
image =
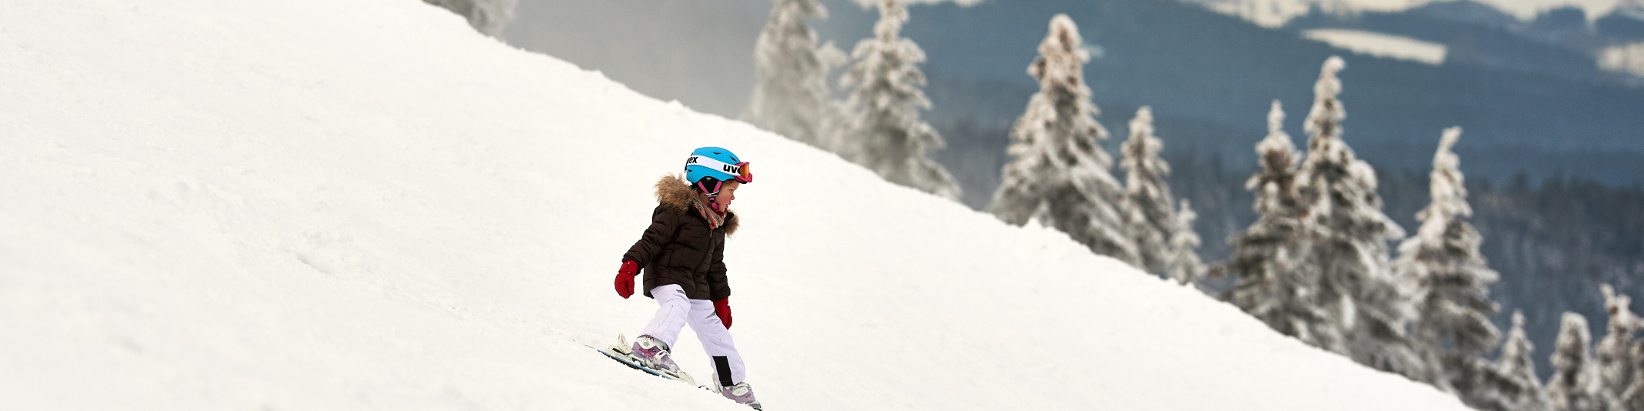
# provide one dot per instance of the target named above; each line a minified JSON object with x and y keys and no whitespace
{"x":1152,"y":215}
{"x":1633,"y":397}
{"x":1350,"y":234}
{"x":1518,"y":388}
{"x":1058,"y":174}
{"x":486,"y":16}
{"x":1275,"y":282}
{"x":1452,"y":329}
{"x":1575,"y":385}
{"x":790,"y":95}
{"x":1183,"y":263}
{"x":885,"y":132}
{"x":1617,"y":355}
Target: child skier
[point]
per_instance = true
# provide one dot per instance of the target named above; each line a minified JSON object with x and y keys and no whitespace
{"x":682,"y":253}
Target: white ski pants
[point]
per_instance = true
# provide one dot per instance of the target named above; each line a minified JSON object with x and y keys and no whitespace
{"x":678,"y":311}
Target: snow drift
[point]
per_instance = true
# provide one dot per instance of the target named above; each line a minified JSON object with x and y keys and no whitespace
{"x":347,"y":204}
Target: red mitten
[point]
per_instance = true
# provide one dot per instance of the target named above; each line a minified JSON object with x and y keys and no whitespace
{"x":722,"y":307}
{"x":625,"y":278}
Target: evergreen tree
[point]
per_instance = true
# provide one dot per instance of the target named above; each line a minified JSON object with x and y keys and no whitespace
{"x":1633,"y":397}
{"x":1617,"y":354}
{"x":1058,"y":173}
{"x":1452,"y":330}
{"x":1575,"y":385}
{"x":1152,"y":215}
{"x":1518,"y":389}
{"x":1350,"y":235}
{"x":486,"y":16}
{"x":1183,"y":263}
{"x":1275,"y":283}
{"x":790,"y":95}
{"x":886,"y":134}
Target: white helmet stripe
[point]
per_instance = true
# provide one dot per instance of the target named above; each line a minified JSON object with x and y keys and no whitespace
{"x":711,"y":163}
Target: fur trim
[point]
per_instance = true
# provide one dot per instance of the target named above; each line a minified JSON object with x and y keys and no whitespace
{"x":674,"y":192}
{"x":731,"y":222}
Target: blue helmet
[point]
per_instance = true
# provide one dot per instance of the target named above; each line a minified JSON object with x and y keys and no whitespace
{"x":709,"y":167}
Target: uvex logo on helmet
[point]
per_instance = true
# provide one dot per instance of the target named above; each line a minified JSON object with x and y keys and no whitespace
{"x":709,"y":167}
{"x":732,"y":170}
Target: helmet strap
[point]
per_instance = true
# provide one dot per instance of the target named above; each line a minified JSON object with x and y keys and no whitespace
{"x":712,"y":192}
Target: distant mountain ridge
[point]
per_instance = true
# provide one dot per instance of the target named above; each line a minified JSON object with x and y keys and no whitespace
{"x":1275,"y":13}
{"x":1219,"y":72}
{"x":1559,"y":43}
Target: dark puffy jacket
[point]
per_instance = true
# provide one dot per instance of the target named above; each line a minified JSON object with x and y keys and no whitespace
{"x":679,"y":248}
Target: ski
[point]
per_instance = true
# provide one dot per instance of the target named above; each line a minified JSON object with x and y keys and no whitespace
{"x":623,"y":354}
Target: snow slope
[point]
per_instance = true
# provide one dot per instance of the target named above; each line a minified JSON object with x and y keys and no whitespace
{"x":364,"y":204}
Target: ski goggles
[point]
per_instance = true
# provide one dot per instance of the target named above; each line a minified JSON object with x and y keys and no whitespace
{"x":741,"y":172}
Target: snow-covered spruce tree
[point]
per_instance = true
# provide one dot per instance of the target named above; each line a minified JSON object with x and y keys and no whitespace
{"x":1517,"y":389}
{"x":1617,"y":355}
{"x":885,"y":132}
{"x":1350,"y":234}
{"x":1452,"y":329}
{"x":1275,"y":282}
{"x":1183,"y":263}
{"x":790,"y":95}
{"x":1058,"y":174}
{"x":1633,"y":397}
{"x":486,"y":16}
{"x":1575,"y":385}
{"x":1152,"y":209}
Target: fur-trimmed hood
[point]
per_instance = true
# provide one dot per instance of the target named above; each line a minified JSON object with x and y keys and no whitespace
{"x":674,"y":192}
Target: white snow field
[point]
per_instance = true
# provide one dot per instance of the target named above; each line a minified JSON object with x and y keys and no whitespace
{"x":1624,"y":58}
{"x":1380,"y":44}
{"x":364,"y":204}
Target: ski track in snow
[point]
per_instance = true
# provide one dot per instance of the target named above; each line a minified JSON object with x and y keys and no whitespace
{"x":363,"y":204}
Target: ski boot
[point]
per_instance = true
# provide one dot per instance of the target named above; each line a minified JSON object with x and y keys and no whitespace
{"x":740,"y":392}
{"x":652,"y":353}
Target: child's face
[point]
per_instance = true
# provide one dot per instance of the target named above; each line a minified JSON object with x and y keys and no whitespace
{"x":726,"y":194}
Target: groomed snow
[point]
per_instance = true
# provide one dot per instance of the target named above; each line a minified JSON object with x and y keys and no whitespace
{"x":1381,"y":44}
{"x":364,"y":204}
